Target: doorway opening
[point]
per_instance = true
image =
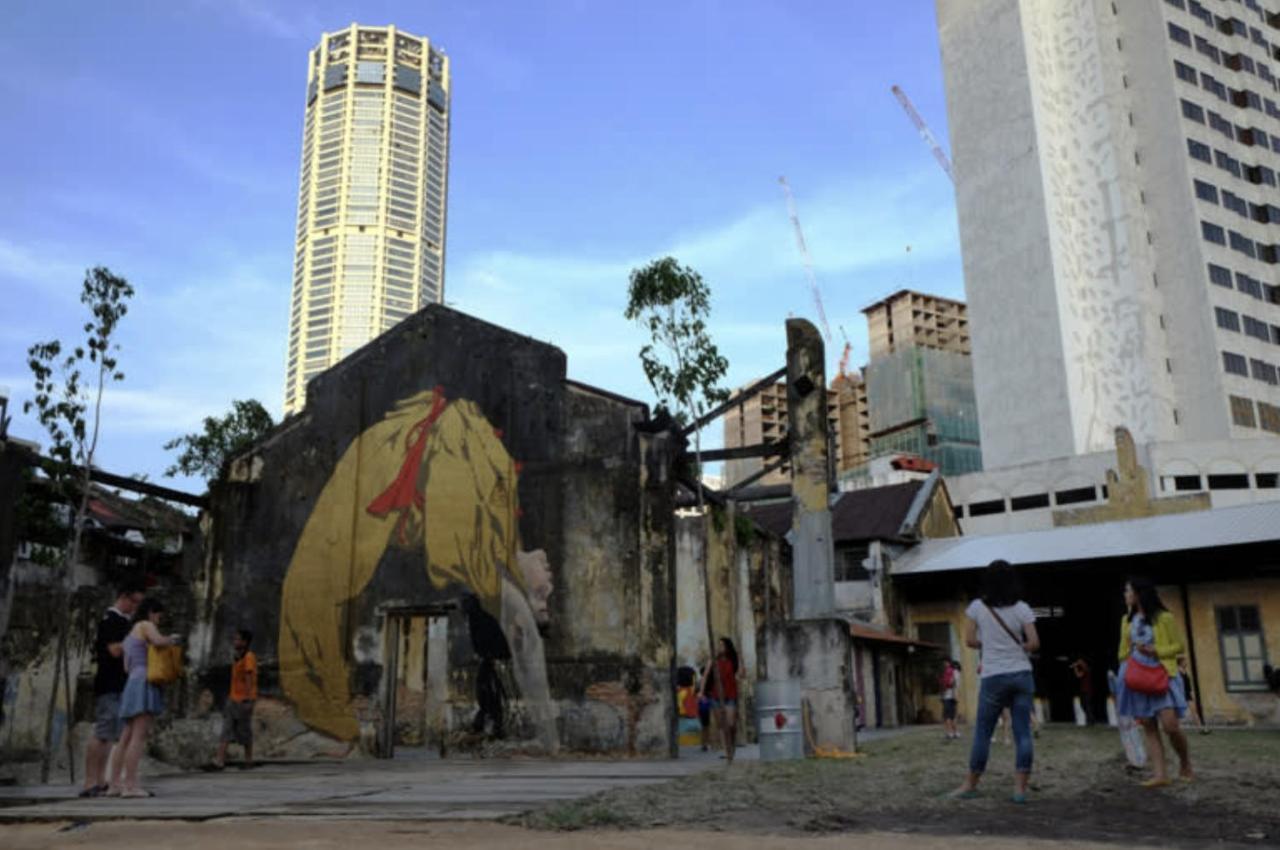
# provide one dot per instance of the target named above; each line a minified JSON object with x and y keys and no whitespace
{"x":415,"y":680}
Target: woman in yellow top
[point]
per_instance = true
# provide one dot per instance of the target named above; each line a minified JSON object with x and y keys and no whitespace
{"x":1149,"y":635}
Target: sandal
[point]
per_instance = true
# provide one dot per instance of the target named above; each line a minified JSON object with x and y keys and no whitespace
{"x":1019,"y":797}
{"x":1157,"y":782}
{"x":963,"y":794}
{"x":134,"y":793}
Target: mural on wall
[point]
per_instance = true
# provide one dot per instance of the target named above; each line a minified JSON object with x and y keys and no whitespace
{"x":433,"y":477}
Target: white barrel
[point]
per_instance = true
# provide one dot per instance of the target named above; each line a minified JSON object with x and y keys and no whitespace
{"x":779,"y":721}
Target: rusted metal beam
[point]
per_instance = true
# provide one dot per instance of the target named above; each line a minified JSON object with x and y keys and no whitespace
{"x":735,"y":400}
{"x":740,"y":452}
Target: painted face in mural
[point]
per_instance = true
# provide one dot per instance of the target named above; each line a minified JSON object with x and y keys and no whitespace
{"x":432,"y":477}
{"x":536,"y":570}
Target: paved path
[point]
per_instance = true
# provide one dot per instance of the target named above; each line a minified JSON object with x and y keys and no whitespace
{"x":406,"y":788}
{"x":410,"y":787}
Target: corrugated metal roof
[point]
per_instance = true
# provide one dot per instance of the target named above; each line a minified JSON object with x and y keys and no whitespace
{"x":1256,"y":523}
{"x":876,"y":513}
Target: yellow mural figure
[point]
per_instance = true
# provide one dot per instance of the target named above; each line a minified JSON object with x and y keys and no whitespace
{"x":434,"y":471}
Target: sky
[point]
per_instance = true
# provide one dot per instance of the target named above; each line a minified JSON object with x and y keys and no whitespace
{"x":162,"y":139}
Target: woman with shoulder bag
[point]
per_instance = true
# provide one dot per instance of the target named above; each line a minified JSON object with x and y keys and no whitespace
{"x":1002,"y":627}
{"x":141,"y":700}
{"x":1148,"y":688}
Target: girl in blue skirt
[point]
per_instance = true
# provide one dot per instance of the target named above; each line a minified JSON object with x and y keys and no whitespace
{"x":1149,"y":635}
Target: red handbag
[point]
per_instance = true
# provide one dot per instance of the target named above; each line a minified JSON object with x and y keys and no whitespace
{"x":1146,"y":679}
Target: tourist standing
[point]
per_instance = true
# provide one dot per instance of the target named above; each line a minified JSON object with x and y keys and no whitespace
{"x":948,"y":682}
{"x":1084,"y":685}
{"x":1149,"y":688}
{"x":1002,"y":627}
{"x":720,"y":681}
{"x":237,"y":714}
{"x":140,"y":701}
{"x":108,"y":682}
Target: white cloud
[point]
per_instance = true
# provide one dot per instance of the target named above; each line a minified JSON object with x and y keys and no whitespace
{"x":23,"y":266}
{"x":857,"y":232}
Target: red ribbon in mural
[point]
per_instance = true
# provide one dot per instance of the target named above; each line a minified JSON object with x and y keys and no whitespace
{"x":403,"y":494}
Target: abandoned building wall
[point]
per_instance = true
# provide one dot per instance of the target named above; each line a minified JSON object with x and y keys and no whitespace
{"x":749,"y":571}
{"x":448,"y":467}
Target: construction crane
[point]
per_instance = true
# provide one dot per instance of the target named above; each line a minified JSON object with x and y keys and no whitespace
{"x":924,"y":131}
{"x":805,"y":258}
{"x":843,"y":369}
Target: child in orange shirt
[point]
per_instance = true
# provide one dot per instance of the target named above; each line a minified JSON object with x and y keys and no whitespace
{"x":237,"y":716}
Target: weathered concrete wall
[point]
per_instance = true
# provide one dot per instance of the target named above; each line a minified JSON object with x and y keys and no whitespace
{"x":449,"y":465}
{"x":819,"y":654}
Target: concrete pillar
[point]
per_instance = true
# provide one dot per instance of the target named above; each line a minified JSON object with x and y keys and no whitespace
{"x":813,"y":556}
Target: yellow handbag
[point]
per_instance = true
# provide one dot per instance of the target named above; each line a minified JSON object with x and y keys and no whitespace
{"x":164,"y":664}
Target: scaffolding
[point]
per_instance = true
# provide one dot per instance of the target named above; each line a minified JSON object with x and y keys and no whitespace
{"x":922,"y":402}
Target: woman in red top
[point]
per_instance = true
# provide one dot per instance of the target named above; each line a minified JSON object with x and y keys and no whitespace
{"x":720,"y":683}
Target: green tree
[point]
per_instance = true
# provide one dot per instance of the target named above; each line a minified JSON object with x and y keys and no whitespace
{"x":204,"y":454}
{"x":684,"y":367}
{"x":68,"y":404}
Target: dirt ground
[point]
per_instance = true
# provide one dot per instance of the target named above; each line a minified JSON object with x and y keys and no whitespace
{"x":249,"y":834}
{"x":1081,"y":790}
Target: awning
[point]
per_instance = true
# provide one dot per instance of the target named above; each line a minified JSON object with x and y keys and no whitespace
{"x":862,"y":631}
{"x":1257,"y":523}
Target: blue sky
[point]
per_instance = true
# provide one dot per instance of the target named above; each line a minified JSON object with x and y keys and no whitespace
{"x":162,"y":139}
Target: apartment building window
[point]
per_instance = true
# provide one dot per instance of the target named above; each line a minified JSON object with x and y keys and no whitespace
{"x":1222,"y":125}
{"x":1242,"y":243}
{"x":1257,"y":329}
{"x":849,"y":566}
{"x":1213,"y":233}
{"x":1185,"y":72}
{"x":1228,"y":320}
{"x":1203,"y":46}
{"x":1219,"y":276}
{"x":1269,"y":420}
{"x":1192,"y":112}
{"x":1179,"y":35}
{"x":1248,"y":285}
{"x":1253,"y":136}
{"x":1244,"y":650}
{"x":1246,"y":99}
{"x":1178,"y":3}
{"x":1235,"y":203}
{"x":1235,"y":364}
{"x":1199,"y":150}
{"x":1232,"y":26}
{"x":1217,"y":89}
{"x":1242,"y":412}
{"x":1264,"y":371}
{"x":1259,"y":174}
{"x":1206,"y":191}
{"x":1226,"y":162}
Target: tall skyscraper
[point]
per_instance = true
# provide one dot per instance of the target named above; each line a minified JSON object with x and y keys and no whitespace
{"x":372,"y":199}
{"x":1116,"y":180}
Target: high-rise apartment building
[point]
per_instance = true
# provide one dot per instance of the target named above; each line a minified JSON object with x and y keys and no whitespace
{"x":372,"y":199}
{"x":909,"y":318}
{"x":763,"y":419}
{"x":919,"y":383}
{"x":1116,"y":186}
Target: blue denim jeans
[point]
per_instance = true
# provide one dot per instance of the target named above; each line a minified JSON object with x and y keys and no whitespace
{"x":1014,"y":691}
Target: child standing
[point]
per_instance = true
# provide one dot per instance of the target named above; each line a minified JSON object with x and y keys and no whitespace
{"x":237,"y":715}
{"x":948,"y":682}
